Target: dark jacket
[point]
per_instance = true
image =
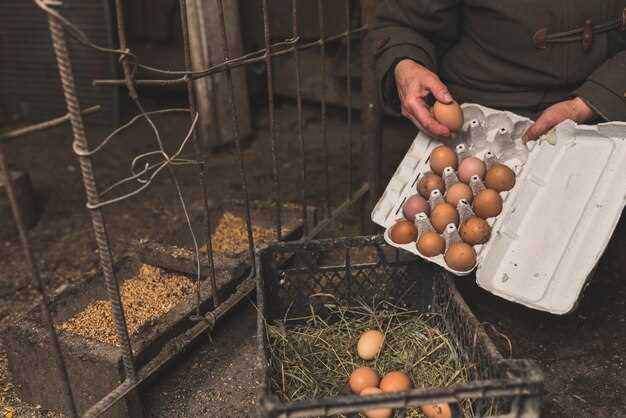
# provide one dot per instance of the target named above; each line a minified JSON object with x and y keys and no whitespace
{"x":520,"y":55}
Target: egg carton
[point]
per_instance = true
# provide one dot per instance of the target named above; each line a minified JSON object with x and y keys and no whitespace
{"x":557,"y":220}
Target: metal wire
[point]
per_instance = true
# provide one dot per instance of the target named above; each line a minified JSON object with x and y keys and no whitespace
{"x":296,"y":60}
{"x":320,"y":12}
{"x":270,"y":100}
{"x":349,"y":93}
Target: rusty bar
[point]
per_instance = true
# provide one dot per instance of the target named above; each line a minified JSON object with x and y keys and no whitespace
{"x":7,"y":180}
{"x":199,"y":155}
{"x":235,"y":116}
{"x":320,"y":12}
{"x":174,"y":347}
{"x":270,"y":103}
{"x":121,"y":35}
{"x":371,"y":113}
{"x":349,"y":93}
{"x":104,"y":250}
{"x":338,"y":211}
{"x":296,"y":60}
{"x":16,"y":133}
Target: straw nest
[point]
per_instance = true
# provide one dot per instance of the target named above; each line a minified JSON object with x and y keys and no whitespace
{"x":314,"y":358}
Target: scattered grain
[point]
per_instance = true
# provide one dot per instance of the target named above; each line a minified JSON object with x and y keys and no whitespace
{"x":146,"y":297}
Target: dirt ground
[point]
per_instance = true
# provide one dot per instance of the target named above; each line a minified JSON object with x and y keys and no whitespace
{"x":581,"y":354}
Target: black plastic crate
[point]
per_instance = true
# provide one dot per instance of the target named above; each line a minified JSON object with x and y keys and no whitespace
{"x":292,"y":276}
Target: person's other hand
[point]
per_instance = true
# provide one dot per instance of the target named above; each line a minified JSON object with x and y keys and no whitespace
{"x":414,"y":82}
{"x":575,"y":109}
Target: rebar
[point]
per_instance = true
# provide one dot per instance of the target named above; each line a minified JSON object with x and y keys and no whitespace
{"x":102,"y":240}
{"x":7,"y":181}
{"x":202,"y":167}
{"x":270,"y":101}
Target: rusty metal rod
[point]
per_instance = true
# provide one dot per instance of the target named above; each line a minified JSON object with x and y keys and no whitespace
{"x":349,"y":93}
{"x":7,"y":180}
{"x":320,"y":12}
{"x":237,"y":136}
{"x":16,"y":133}
{"x":296,"y":60}
{"x":104,"y":250}
{"x":231,"y":63}
{"x":199,"y":156}
{"x":270,"y":101}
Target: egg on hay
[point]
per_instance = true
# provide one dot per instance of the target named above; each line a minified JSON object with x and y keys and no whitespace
{"x":363,"y":378}
{"x":376,"y":412}
{"x":437,"y":410}
{"x":369,"y":345}
{"x":395,"y":382}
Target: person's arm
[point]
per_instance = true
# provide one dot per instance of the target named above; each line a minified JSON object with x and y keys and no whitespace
{"x":602,"y":95}
{"x":418,"y":30}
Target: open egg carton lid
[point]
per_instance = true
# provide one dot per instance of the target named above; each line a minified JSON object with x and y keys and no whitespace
{"x":555,"y":223}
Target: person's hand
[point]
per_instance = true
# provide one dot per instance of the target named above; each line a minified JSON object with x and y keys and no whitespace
{"x":414,"y":82}
{"x":575,"y":109}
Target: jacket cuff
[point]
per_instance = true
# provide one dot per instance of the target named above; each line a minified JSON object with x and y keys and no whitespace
{"x":385,"y":66}
{"x":605,"y":102}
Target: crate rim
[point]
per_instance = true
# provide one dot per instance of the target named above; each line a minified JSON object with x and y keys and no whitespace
{"x":268,"y":405}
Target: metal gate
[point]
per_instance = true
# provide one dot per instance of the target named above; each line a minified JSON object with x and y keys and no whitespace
{"x":145,"y":173}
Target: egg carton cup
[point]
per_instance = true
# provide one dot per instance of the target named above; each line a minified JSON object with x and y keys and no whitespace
{"x":555,"y":223}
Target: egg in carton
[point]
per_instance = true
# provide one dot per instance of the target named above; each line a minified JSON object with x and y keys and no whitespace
{"x":555,"y":219}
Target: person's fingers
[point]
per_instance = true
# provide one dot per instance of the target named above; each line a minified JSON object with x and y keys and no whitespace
{"x":548,"y":120}
{"x":438,"y":89}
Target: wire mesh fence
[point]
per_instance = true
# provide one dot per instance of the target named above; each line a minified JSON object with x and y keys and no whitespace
{"x":148,"y":166}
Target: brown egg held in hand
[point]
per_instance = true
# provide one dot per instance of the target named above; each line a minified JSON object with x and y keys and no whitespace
{"x":403,"y":232}
{"x":395,"y":382}
{"x":475,"y":231}
{"x":469,"y":167}
{"x":442,"y":215}
{"x":428,"y":183}
{"x":487,"y":204}
{"x":431,"y":244}
{"x":376,"y":412}
{"x":414,"y":205}
{"x":459,"y":191}
{"x":449,"y":115}
{"x":437,"y":410}
{"x":369,"y":344}
{"x":442,"y":157}
{"x":500,"y":178}
{"x":363,"y":378}
{"x":460,"y":256}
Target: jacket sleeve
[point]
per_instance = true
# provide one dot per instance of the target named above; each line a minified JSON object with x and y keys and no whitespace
{"x":421,"y":30}
{"x":605,"y":89}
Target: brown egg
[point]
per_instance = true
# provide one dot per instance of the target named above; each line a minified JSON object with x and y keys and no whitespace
{"x":442,"y":157}
{"x":369,"y":344}
{"x":430,"y":182}
{"x":363,"y":378}
{"x":438,"y":410}
{"x":449,"y":115}
{"x":487,"y":204}
{"x":378,"y":412}
{"x":431,"y":244}
{"x":500,"y":178}
{"x":469,"y":167}
{"x":395,"y":382}
{"x":403,"y":232}
{"x":414,"y":205}
{"x":460,"y":256}
{"x":459,"y":191}
{"x":475,"y":231}
{"x":442,"y":215}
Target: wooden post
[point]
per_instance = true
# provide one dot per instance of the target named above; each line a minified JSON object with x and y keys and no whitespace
{"x":212,"y":95}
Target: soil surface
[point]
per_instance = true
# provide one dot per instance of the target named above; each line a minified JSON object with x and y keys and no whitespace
{"x":581,"y":354}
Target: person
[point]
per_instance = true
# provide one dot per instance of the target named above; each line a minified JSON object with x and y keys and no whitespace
{"x":549,"y":60}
